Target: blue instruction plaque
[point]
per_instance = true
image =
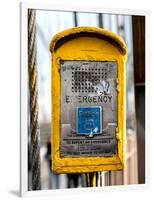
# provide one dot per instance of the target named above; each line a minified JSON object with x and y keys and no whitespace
{"x":89,"y":120}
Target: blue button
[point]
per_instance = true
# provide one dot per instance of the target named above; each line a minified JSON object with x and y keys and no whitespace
{"x":89,"y":120}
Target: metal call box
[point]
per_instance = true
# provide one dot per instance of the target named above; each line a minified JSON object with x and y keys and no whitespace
{"x":88,"y":100}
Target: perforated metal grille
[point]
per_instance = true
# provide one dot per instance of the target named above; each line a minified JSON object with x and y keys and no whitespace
{"x":85,"y":79}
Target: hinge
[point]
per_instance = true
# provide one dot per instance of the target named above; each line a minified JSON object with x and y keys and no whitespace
{"x":58,"y":62}
{"x":117,"y":85}
{"x":118,"y":134}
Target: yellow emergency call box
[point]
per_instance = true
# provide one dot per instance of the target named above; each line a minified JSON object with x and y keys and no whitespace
{"x":88,"y":100}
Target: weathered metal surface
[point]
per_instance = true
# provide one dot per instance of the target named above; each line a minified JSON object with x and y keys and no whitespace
{"x":90,"y":87}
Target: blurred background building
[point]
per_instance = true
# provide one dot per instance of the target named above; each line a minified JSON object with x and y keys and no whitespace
{"x":131,"y":28}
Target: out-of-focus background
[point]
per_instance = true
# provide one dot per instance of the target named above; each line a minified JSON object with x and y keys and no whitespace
{"x":132,"y":30}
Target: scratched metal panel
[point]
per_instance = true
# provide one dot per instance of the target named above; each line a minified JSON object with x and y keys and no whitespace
{"x":88,"y":84}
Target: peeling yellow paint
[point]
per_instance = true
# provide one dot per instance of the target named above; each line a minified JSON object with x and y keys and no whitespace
{"x":89,"y":44}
